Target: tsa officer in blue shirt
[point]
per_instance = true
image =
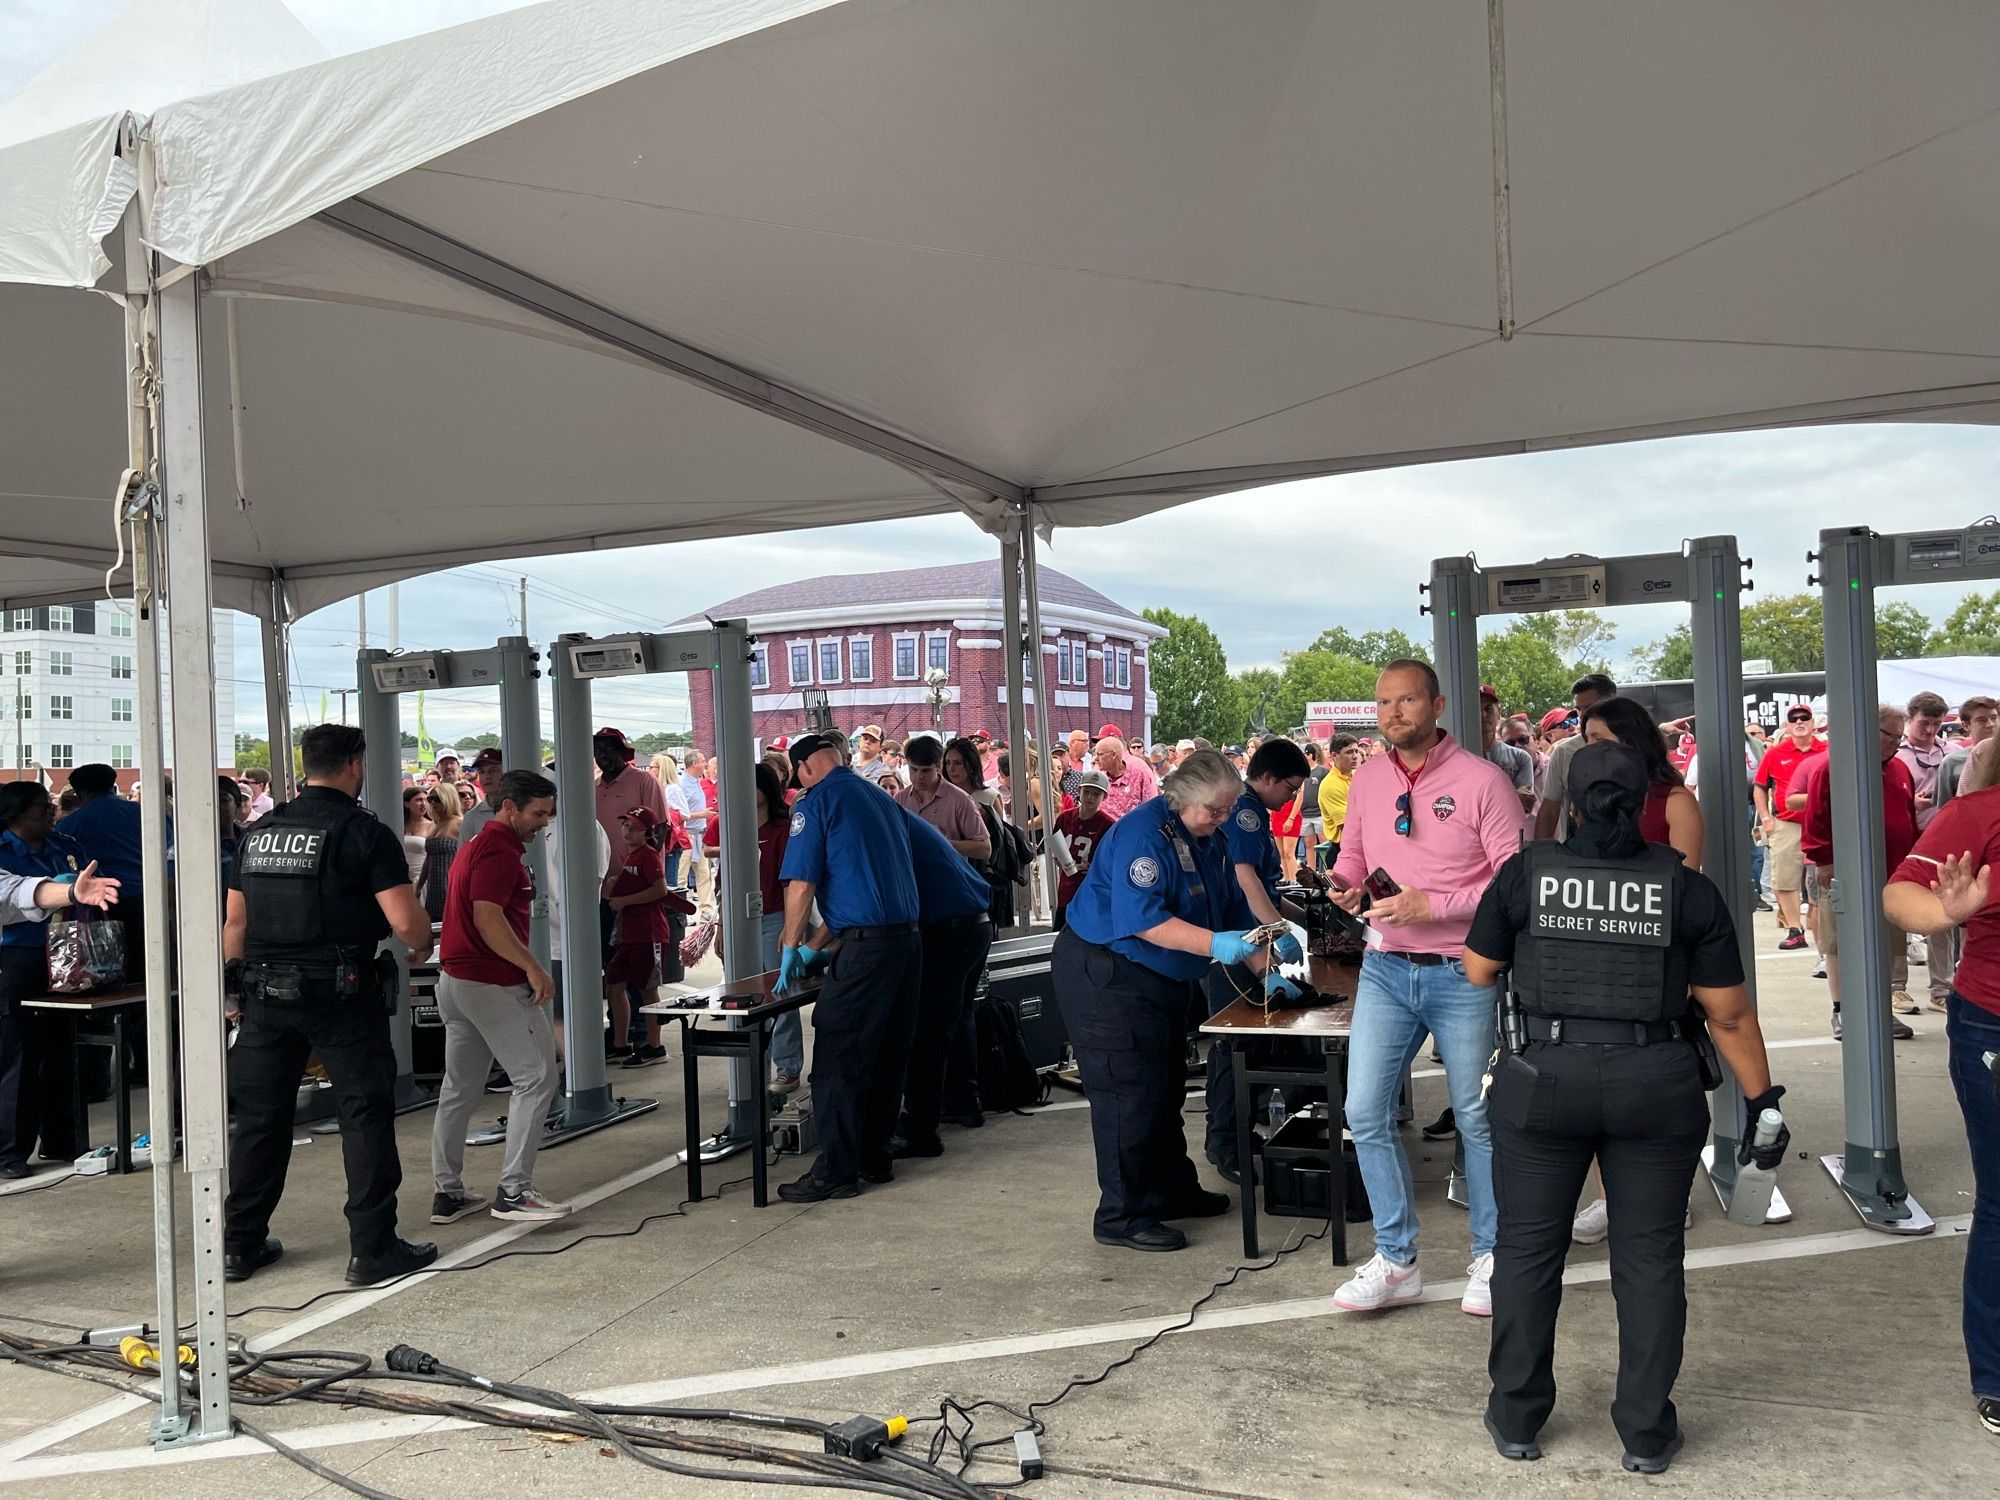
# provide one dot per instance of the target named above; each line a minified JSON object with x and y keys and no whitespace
{"x":850,"y":850}
{"x":1272,"y":780}
{"x":35,"y":1049}
{"x":1159,"y":904}
{"x":958,"y":934}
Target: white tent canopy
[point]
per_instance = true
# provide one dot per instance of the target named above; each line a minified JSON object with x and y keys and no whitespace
{"x":599,"y":272}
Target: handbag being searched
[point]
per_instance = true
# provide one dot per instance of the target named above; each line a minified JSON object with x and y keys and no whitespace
{"x":86,"y":952}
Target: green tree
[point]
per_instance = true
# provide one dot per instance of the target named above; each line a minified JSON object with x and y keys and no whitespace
{"x":1669,"y":659}
{"x":1972,"y":629}
{"x":1318,"y":676}
{"x":1902,"y":631}
{"x":1581,"y":637}
{"x":1785,"y":630}
{"x":252,"y":751}
{"x":1525,"y":669}
{"x":1189,"y":674}
{"x":666,"y":739}
{"x":1374,"y":647}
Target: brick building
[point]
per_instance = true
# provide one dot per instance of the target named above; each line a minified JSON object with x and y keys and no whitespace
{"x":871,"y":640}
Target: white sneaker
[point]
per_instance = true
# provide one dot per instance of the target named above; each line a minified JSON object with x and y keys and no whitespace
{"x":528,"y":1205}
{"x":1478,"y":1298}
{"x":1380,"y":1283}
{"x":1592,"y":1225}
{"x":1903,"y":1003}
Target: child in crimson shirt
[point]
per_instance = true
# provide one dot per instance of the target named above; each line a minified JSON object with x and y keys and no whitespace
{"x":640,"y":897}
{"x":1081,"y":828}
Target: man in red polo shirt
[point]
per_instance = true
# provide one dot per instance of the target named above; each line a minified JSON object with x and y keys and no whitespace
{"x":1782,"y":823}
{"x":492,"y":996}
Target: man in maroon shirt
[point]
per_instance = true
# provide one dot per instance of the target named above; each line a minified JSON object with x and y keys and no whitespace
{"x":492,"y":995}
{"x":1899,"y":832}
{"x":1780,"y":821}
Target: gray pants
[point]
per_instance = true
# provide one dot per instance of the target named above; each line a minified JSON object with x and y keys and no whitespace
{"x":482,"y":1023}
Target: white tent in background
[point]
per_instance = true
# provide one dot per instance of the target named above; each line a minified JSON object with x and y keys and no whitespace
{"x":599,"y":272}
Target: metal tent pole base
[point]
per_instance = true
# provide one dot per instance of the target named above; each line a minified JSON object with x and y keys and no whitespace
{"x":1889,"y":1215}
{"x":1724,"y":1183}
{"x":586,"y":1111}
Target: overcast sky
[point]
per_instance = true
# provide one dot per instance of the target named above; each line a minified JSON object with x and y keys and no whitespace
{"x":1268,"y":571}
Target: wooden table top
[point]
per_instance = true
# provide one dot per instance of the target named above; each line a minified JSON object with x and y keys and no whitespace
{"x":124,"y":994}
{"x":1245,"y":1016}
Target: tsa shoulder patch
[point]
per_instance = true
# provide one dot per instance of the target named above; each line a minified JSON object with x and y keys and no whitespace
{"x":1144,"y":872}
{"x":798,"y":822}
{"x":1247,"y":821}
{"x":282,"y":851}
{"x":1599,"y":904}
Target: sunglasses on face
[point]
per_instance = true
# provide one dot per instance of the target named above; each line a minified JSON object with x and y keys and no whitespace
{"x":1403,"y":816}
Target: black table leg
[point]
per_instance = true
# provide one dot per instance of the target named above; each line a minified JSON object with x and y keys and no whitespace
{"x":121,"y":1090}
{"x":1246,"y":1162}
{"x":691,"y":1107}
{"x":759,"y":1061}
{"x":1336,"y":1120}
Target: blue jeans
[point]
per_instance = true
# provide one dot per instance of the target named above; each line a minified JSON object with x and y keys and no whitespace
{"x":1973,"y":1034}
{"x":1760,"y":864}
{"x":672,"y":864}
{"x":788,"y":1035}
{"x":1397,"y":1004}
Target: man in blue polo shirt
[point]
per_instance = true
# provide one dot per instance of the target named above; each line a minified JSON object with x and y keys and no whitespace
{"x":1276,"y":772}
{"x":105,"y":826}
{"x":850,"y":850}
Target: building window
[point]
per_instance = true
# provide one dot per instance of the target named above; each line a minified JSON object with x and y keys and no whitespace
{"x":27,"y":757}
{"x":829,"y":661}
{"x":61,"y":706}
{"x":861,"y":659}
{"x":62,"y":664}
{"x":905,"y":663}
{"x":760,"y":666}
{"x":121,"y":757}
{"x":24,"y":663}
{"x":22,"y":619}
{"x":61,"y":757}
{"x":1123,"y":662}
{"x":121,"y":710}
{"x":61,"y":617}
{"x":121,"y":668}
{"x":1062,"y":663}
{"x":120,"y":622}
{"x":937,"y":653}
{"x":801,"y":664}
{"x":24,"y":706}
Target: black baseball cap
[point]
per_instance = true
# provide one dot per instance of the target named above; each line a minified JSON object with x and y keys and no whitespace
{"x":805,"y":746}
{"x":1607,"y":763}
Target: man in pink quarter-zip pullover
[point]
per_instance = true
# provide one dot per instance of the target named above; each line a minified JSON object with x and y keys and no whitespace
{"x":1439,"y":820}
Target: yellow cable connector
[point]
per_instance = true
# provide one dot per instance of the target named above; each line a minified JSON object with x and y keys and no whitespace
{"x":897,"y":1427}
{"x":141,"y":1355}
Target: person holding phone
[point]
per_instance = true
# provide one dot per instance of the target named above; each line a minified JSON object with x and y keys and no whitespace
{"x":1435,"y":819}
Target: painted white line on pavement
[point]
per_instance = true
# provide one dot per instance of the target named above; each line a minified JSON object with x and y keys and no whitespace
{"x":1761,"y":1248}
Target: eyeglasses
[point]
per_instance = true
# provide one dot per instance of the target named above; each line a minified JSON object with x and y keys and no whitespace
{"x":435,"y":800}
{"x":1403,"y":815}
{"x":1222,"y":811}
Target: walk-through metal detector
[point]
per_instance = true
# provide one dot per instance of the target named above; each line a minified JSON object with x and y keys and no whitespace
{"x":382,"y":677}
{"x":575,"y":661}
{"x":1708,"y":577}
{"x":1853,"y":563}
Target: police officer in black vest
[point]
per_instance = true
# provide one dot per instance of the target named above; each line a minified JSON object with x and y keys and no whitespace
{"x":1606,"y":935}
{"x":319,"y":883}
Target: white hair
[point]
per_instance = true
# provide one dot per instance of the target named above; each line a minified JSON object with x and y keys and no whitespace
{"x":1205,"y":776}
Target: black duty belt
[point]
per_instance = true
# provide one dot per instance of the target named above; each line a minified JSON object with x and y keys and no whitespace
{"x":947,"y":924}
{"x":1421,"y":960}
{"x":862,"y":934}
{"x":1599,"y":1033}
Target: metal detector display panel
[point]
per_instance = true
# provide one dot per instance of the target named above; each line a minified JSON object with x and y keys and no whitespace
{"x":1945,"y":552}
{"x":1556,"y":586}
{"x":410,"y":674}
{"x":618,"y":658}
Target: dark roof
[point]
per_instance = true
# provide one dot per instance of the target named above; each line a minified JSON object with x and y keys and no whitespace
{"x":973,"y":580}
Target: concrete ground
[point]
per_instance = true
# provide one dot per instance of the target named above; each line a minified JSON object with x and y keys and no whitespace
{"x":1822,"y":1358}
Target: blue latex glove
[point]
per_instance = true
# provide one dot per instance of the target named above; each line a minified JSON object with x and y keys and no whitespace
{"x":1231,"y":947}
{"x":810,"y":956}
{"x":1288,"y":950}
{"x":1280,"y":988}
{"x":791,"y":967}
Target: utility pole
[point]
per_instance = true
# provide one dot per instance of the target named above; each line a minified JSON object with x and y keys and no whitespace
{"x":395,"y":618}
{"x":361,"y":604}
{"x":524,"y":606}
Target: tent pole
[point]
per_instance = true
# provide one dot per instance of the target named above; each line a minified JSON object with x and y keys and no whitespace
{"x":1015,"y":650}
{"x":1038,"y":671}
{"x":191,"y":689}
{"x":142,"y":513}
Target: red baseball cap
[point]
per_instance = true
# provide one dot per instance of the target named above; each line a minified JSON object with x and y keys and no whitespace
{"x":645,"y":817}
{"x":1110,"y":732}
{"x":782,"y":742}
{"x":1487,"y":693}
{"x":1554,"y":717}
{"x":980,"y":734}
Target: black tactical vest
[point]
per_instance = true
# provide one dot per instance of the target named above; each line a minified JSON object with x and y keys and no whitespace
{"x":303,"y":907}
{"x":1599,"y":942}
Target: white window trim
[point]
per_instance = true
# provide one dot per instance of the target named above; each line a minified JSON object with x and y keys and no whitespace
{"x":1063,"y":659}
{"x":839,"y":659}
{"x":1124,"y":664}
{"x":68,"y":760}
{"x":867,"y":643}
{"x":122,"y":757}
{"x":792,"y":649}
{"x":68,"y":624}
{"x":62,"y":664}
{"x":937,"y":635}
{"x":24,"y":663}
{"x":760,"y":656}
{"x":916,"y":645}
{"x":122,"y":669}
{"x":21,"y":619}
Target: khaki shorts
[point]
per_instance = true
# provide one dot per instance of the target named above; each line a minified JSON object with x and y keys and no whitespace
{"x":1784,"y":847}
{"x":1819,"y":883}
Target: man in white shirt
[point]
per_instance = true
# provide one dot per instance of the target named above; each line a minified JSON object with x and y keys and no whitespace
{"x":260,"y":792}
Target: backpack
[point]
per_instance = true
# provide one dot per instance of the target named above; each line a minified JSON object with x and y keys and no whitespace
{"x":1007,"y":1079}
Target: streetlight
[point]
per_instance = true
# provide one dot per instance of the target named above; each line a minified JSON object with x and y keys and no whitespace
{"x":937,"y":698}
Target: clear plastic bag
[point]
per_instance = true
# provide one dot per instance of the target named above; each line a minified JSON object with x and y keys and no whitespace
{"x":85,"y":953}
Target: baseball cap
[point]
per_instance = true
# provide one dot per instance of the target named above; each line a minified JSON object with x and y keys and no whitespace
{"x":782,"y":742}
{"x":872,"y":731}
{"x":490,"y":756}
{"x":1110,"y":732}
{"x":1184,"y":744}
{"x":1608,"y":763}
{"x":1554,"y":717}
{"x":1487,"y":693}
{"x":608,"y":733}
{"x":980,"y":734}
{"x":806,"y":746}
{"x":1798,"y":711}
{"x":645,"y":817}
{"x":1093,"y":778}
